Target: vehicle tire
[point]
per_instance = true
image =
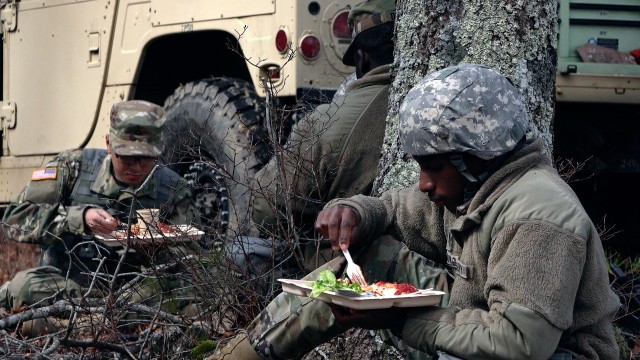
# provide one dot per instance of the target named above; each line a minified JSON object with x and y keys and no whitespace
{"x":220,"y":122}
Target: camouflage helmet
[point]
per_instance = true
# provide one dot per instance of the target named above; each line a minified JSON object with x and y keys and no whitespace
{"x":364,"y":16}
{"x":465,"y":108}
{"x":136,"y":128}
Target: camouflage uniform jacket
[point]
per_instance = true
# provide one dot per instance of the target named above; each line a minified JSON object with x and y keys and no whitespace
{"x":530,"y":271}
{"x":332,"y":152}
{"x":45,"y":212}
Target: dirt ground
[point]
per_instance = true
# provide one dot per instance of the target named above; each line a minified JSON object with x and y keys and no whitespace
{"x":16,"y":256}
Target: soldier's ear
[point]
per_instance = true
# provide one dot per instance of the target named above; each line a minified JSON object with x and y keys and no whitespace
{"x":106,"y":138}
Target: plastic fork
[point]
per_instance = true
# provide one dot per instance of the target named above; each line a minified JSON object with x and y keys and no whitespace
{"x":353,"y":271}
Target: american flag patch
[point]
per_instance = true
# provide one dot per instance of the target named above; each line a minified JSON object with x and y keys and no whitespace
{"x":49,"y":173}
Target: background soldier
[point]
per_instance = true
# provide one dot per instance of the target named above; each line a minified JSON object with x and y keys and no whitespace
{"x":332,"y":152}
{"x":90,"y":191}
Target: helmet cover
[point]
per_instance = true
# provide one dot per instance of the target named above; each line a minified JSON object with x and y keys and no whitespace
{"x":136,"y":128}
{"x":466,"y":108}
{"x":365,"y":15}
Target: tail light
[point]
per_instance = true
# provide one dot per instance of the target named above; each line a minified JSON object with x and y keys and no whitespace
{"x":273,"y":73}
{"x":270,"y":72}
{"x":310,"y":47}
{"x":341,"y":26}
{"x":282,"y":41}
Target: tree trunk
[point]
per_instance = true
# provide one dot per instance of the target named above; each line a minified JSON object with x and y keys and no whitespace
{"x":515,"y":37}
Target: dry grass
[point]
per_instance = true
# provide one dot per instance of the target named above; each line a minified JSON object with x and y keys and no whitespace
{"x":15,"y":257}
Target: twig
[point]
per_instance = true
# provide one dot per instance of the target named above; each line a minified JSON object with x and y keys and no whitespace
{"x":95,"y":276}
{"x":98,"y":345}
{"x":174,"y":319}
{"x":132,"y":210}
{"x":148,"y":334}
{"x":46,"y":311}
{"x":55,"y":344}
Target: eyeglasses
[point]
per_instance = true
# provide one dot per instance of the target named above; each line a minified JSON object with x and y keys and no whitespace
{"x":132,"y":160}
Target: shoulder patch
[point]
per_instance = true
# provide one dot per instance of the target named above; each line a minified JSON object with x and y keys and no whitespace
{"x":48,"y":173}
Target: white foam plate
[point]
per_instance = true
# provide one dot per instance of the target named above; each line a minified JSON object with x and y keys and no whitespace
{"x":421,"y":298}
{"x":182,"y":233}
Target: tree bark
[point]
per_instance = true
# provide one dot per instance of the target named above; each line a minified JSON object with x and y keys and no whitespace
{"x":516,"y":37}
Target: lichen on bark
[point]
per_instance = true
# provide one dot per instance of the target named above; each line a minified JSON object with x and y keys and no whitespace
{"x":516,"y":37}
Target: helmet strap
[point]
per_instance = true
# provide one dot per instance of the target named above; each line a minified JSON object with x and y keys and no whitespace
{"x":458,"y":162}
{"x":473,"y":183}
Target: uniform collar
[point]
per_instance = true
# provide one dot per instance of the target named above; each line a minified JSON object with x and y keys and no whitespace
{"x":380,"y":75}
{"x":470,"y":215}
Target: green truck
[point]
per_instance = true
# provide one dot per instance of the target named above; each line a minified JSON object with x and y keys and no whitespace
{"x":597,"y":120}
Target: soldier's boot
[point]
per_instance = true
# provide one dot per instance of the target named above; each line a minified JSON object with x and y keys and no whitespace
{"x":37,"y":327}
{"x":238,"y":348}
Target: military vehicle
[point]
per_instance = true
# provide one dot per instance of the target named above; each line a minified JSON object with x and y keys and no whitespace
{"x":210,"y":63}
{"x":597,"y":121}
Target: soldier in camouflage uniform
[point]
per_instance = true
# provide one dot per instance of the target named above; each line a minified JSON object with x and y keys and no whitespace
{"x":331,"y":152}
{"x":90,"y":191}
{"x":530,"y":276}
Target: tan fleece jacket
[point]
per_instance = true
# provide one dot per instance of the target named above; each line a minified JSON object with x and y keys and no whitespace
{"x":537,"y":277}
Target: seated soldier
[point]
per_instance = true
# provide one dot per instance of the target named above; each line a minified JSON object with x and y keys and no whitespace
{"x":331,"y":152}
{"x":85,"y":192}
{"x":529,"y":273}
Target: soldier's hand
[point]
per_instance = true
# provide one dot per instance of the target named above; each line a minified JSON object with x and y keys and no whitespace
{"x":339,"y":224}
{"x":100,"y":221}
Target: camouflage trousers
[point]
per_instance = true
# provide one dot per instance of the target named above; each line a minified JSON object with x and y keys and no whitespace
{"x":47,"y":284}
{"x":34,"y":285}
{"x":290,"y":326}
{"x":172,"y":276}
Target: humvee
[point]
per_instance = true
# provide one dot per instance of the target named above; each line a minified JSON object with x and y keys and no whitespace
{"x":597,"y":120}
{"x":210,"y":63}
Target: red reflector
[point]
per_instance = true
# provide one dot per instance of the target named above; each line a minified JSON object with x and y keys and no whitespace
{"x":310,"y":47}
{"x":273,"y":73}
{"x":282,"y":42}
{"x":341,"y":26}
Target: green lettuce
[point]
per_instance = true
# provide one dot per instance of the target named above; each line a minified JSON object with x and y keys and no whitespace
{"x":327,"y":281}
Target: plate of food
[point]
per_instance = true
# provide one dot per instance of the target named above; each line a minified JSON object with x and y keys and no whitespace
{"x":378,"y":295}
{"x":157,"y":234}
